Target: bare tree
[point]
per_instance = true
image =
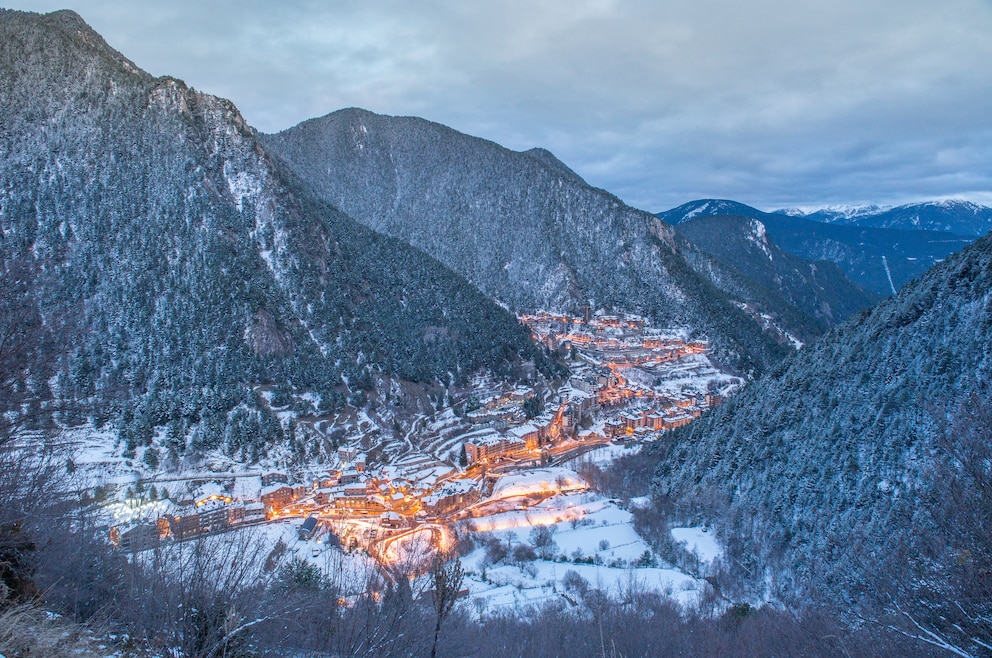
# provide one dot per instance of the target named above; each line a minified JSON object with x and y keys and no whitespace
{"x":201,"y":595}
{"x":446,"y":578}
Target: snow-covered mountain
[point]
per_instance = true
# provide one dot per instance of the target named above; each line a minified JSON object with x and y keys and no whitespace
{"x":858,"y":472}
{"x":180,"y":264}
{"x":819,"y":289}
{"x":521,"y":226}
{"x":708,"y":208}
{"x":951,"y":215}
{"x":878,"y":259}
{"x":830,"y":214}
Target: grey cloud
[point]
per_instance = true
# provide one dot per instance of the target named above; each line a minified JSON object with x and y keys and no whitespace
{"x":771,"y":102}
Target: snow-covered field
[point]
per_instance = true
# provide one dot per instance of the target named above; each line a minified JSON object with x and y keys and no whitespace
{"x":593,"y":543}
{"x":698,"y":541}
{"x":693,"y":374}
{"x":593,"y":546}
{"x":538,"y":481}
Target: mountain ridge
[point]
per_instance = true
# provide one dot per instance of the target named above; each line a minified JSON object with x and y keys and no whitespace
{"x":194,"y":266}
{"x":521,"y":226}
{"x":948,"y":215}
{"x":877,"y":259}
{"x":829,"y":474}
{"x":820,"y":289}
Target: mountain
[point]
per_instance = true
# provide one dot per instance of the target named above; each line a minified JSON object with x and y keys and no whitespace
{"x":183,"y":264}
{"x":949,"y":216}
{"x":857,"y":471}
{"x":878,"y":259}
{"x":522,"y":227}
{"x":819,"y":289}
{"x":708,"y":208}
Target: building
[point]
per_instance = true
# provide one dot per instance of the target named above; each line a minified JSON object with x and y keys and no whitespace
{"x":277,"y":495}
{"x":136,"y":538}
{"x":274,"y":477}
{"x":254,"y":512}
{"x":585,"y":383}
{"x":309,"y":528}
{"x":493,"y":447}
{"x":453,"y":495}
{"x":677,"y":420}
{"x":528,"y":433}
{"x":714,"y":399}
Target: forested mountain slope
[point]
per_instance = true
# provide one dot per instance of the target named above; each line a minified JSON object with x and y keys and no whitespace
{"x":184,"y":264}
{"x":819,"y":289}
{"x":857,"y":471}
{"x":521,"y":226}
{"x":877,"y":259}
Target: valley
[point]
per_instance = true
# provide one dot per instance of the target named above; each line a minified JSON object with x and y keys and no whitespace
{"x":399,"y":499}
{"x":372,"y":386}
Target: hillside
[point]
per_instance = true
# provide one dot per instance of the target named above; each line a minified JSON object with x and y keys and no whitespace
{"x":857,"y":472}
{"x":818,"y":289}
{"x":180,"y":264}
{"x":878,"y":259}
{"x":522,"y":227}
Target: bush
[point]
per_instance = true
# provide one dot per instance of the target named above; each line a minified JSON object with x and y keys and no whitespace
{"x":542,"y":537}
{"x":524,"y":553}
{"x":496,"y":551}
{"x":573,"y":582}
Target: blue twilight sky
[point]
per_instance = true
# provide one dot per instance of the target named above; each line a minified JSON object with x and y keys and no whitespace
{"x":774,"y":103}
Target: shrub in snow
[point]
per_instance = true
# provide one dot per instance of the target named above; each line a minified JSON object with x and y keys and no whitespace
{"x":573,"y":582}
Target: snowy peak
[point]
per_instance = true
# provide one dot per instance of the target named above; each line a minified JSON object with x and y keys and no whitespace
{"x":949,"y":215}
{"x":856,"y":244}
{"x":834,"y":213}
{"x":707,"y":207}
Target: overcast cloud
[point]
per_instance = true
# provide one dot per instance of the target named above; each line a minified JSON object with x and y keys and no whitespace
{"x":772,"y":103}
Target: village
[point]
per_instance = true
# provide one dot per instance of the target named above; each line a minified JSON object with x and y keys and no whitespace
{"x":629,"y":385}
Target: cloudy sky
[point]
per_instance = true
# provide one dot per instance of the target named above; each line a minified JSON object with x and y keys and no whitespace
{"x":775,"y":103}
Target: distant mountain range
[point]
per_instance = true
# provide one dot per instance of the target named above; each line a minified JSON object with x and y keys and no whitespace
{"x":878,"y":259}
{"x":857,"y":471}
{"x":950,"y":216}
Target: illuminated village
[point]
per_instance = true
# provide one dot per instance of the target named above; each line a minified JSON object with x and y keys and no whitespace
{"x":629,"y":385}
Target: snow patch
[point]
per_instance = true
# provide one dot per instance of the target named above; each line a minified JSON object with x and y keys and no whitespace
{"x":759,"y":236}
{"x":699,"y":541}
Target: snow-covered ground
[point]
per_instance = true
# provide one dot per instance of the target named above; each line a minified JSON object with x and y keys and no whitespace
{"x":350,"y":570}
{"x":594,"y":539}
{"x":691,"y":374}
{"x":594,"y":546}
{"x":538,"y":481}
{"x":698,"y":541}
